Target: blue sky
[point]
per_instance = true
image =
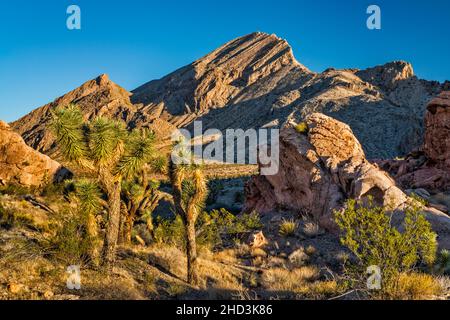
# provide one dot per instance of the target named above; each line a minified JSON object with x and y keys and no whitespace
{"x":135,"y":41}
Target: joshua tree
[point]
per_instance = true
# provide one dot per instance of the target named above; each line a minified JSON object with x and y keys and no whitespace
{"x":140,"y":197}
{"x":189,"y":194}
{"x":88,"y":196}
{"x":107,"y":151}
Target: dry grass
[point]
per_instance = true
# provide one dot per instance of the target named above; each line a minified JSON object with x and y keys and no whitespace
{"x":311,"y":229}
{"x":416,"y":286}
{"x":279,"y":279}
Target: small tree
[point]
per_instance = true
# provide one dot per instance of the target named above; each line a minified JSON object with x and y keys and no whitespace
{"x":189,"y":195}
{"x":108,"y":152}
{"x":140,"y":197}
{"x":88,"y":196}
{"x":369,"y":234}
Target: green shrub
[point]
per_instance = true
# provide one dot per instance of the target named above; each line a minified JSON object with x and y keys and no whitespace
{"x":72,"y":243}
{"x":302,"y":128}
{"x":13,"y":218}
{"x":169,"y":231}
{"x":212,"y":227}
{"x":247,"y":222}
{"x":287,"y":228}
{"x":369,"y":234}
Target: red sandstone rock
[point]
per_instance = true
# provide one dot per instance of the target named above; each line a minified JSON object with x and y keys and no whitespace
{"x":22,"y":165}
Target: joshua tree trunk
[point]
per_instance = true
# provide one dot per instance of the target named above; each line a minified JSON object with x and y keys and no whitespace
{"x":112,"y":230}
{"x":191,"y":252}
{"x":92,"y":232}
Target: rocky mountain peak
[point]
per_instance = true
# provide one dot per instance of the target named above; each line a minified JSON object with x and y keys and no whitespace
{"x":387,"y":76}
{"x":255,"y":81}
{"x":97,"y":97}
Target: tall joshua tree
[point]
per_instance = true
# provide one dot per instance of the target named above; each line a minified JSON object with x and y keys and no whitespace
{"x":189,"y":194}
{"x":107,"y":151}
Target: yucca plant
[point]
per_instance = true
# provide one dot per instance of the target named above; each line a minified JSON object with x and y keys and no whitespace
{"x":287,"y":227}
{"x":189,"y":195}
{"x":104,"y":148}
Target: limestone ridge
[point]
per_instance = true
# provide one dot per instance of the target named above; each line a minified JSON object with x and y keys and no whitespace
{"x":255,"y":81}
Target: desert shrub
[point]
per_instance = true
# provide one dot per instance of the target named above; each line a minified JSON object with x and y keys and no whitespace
{"x":368,"y":232}
{"x":169,"y":231}
{"x":72,"y":243}
{"x":247,"y":222}
{"x":212,"y":227}
{"x":287,"y":228}
{"x":13,"y":218}
{"x":53,"y":189}
{"x":12,"y":189}
{"x":302,"y":128}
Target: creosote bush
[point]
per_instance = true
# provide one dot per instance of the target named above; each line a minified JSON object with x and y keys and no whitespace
{"x":212,"y":228}
{"x":368,"y":232}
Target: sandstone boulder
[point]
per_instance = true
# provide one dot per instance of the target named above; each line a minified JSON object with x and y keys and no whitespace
{"x":321,"y":169}
{"x":318,"y":171}
{"x":22,"y":165}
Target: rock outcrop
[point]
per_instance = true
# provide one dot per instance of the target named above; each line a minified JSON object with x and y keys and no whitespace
{"x":428,"y":167}
{"x":437,"y":131}
{"x":321,"y":169}
{"x":255,"y":81}
{"x":318,"y":171}
{"x":22,"y":165}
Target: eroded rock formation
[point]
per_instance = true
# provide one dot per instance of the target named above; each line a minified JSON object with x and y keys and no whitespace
{"x":318,"y":171}
{"x":429,"y":167}
{"x":22,"y":165}
{"x":321,"y":169}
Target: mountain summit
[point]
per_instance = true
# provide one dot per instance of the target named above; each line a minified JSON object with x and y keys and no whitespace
{"x":255,"y":81}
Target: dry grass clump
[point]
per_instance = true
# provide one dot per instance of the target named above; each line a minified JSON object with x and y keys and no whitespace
{"x":311,"y":229}
{"x":416,"y":286}
{"x":279,"y":279}
{"x":287,"y":227}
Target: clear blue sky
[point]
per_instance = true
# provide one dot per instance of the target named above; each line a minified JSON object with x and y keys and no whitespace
{"x":135,"y":41}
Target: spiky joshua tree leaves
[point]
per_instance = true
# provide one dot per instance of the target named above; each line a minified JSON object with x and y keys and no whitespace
{"x":107,"y":152}
{"x":189,"y":194}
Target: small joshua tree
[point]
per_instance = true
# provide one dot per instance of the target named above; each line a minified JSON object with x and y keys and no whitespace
{"x":108,"y":152}
{"x":189,"y":194}
{"x":140,"y":197}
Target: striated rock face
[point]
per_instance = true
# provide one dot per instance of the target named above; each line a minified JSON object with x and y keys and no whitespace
{"x":22,"y":165}
{"x":319,"y":171}
{"x":255,"y":81}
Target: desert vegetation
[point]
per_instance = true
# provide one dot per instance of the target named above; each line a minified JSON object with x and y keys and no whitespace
{"x":140,"y":226}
